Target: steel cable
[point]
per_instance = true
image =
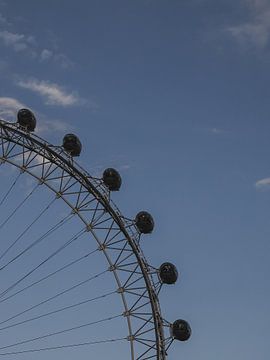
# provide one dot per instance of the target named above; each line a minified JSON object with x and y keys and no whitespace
{"x":60,"y":310}
{"x":64,"y":346}
{"x":18,"y":207}
{"x":55,"y":296}
{"x":25,"y":231}
{"x":38,"y":240}
{"x":49,"y":275}
{"x":61,"y":331}
{"x":10,"y":189}
{"x":62,"y":247}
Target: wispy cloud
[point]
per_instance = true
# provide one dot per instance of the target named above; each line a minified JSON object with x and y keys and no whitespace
{"x":53,"y":94}
{"x":51,"y":126}
{"x":263,"y":184}
{"x":216,"y":131}
{"x":48,"y":55}
{"x":62,"y":60}
{"x":29,"y":46}
{"x":18,"y":42}
{"x":3,"y":21}
{"x":256,"y":31}
{"x":9,"y":107}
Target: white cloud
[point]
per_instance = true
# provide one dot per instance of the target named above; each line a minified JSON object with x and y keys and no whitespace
{"x":51,"y":92}
{"x":11,"y":38}
{"x":9,"y":107}
{"x":3,"y":21}
{"x":63,"y":61}
{"x":28,"y":44}
{"x":18,"y":42}
{"x":257,"y":4}
{"x":263,"y":184}
{"x":256,"y":31}
{"x":58,"y":58}
{"x":46,"y":55}
{"x":48,"y":126}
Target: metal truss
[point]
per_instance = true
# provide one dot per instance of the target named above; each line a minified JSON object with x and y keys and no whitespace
{"x":138,"y":283}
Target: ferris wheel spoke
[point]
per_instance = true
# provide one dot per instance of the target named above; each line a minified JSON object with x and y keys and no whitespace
{"x":11,"y":188}
{"x":55,"y":296}
{"x":88,"y":343}
{"x":62,"y":331}
{"x":56,"y":252}
{"x":39,"y":239}
{"x":50,"y":275}
{"x":96,"y":298}
{"x":27,"y":229}
{"x":19,"y":206}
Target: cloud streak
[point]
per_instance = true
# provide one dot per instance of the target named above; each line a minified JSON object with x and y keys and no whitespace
{"x":18,"y":42}
{"x":13,"y":40}
{"x":256,"y":31}
{"x":52,"y":93}
{"x":9,"y":107}
{"x":28,"y":45}
{"x":51,"y":126}
{"x":217,"y":131}
{"x":3,"y":21}
{"x":263,"y":184}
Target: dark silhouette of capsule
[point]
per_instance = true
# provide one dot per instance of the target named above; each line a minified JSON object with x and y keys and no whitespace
{"x":144,"y":222}
{"x":181,"y":330}
{"x":27,"y":119}
{"x":112,"y":179}
{"x":168,"y":273}
{"x":72,"y":144}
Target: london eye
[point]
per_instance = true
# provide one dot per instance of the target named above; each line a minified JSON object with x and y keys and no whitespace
{"x":75,"y":281}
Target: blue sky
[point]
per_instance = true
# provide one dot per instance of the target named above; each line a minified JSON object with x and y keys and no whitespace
{"x":175,"y":95}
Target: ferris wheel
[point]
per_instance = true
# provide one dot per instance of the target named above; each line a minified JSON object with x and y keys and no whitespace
{"x":74,"y":279}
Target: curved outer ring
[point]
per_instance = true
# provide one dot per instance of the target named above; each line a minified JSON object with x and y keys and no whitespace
{"x":63,"y":161}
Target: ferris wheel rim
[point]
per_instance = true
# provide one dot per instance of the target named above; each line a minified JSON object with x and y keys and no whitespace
{"x":62,"y":161}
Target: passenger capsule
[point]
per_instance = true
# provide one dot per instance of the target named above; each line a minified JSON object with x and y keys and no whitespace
{"x":144,"y":222}
{"x":27,"y":119}
{"x":112,"y":179}
{"x":181,"y":330}
{"x":168,"y":273}
{"x":72,"y":144}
